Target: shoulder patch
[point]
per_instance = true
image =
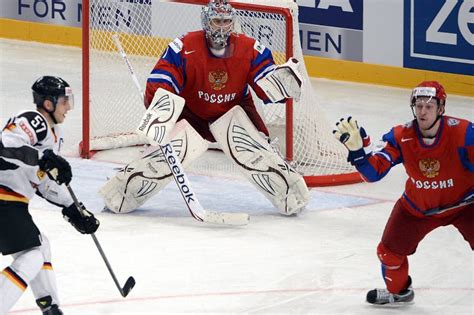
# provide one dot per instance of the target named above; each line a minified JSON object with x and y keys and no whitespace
{"x":176,"y":45}
{"x":453,"y":122}
{"x":37,"y":122}
{"x":259,"y":47}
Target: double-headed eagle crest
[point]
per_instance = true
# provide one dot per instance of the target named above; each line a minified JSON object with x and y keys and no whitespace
{"x":429,"y":167}
{"x":218,"y":79}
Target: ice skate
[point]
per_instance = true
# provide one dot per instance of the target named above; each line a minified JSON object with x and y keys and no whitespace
{"x":47,"y":308}
{"x":383,"y":296}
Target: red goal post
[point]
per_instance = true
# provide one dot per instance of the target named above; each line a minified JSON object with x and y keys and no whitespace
{"x":112,"y":108}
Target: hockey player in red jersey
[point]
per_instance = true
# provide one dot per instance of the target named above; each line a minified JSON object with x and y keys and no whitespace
{"x":437,"y":152}
{"x":214,"y":70}
{"x":29,"y":146}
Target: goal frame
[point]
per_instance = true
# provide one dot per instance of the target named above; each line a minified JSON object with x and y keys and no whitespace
{"x":84,"y":146}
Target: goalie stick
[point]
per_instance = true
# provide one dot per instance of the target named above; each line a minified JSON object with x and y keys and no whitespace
{"x":189,"y":197}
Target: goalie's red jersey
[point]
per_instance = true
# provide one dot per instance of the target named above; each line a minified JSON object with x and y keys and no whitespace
{"x":439,"y":175}
{"x":211,"y":85}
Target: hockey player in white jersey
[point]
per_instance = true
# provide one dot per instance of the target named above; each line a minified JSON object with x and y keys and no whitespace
{"x":29,"y":164}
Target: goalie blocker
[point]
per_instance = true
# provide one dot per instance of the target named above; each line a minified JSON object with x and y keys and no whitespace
{"x":260,"y":163}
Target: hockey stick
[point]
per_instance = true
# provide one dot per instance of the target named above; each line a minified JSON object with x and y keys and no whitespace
{"x":466,"y":201}
{"x":130,"y":283}
{"x":174,"y":163}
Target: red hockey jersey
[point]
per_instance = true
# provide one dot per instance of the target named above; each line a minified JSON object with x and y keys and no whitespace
{"x":209,"y":84}
{"x":439,"y":175}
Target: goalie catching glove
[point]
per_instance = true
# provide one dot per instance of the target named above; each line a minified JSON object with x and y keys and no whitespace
{"x":83,"y":221}
{"x":283,"y":82}
{"x":354,"y":138}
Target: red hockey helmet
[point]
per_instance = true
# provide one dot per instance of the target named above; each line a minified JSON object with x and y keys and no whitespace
{"x":429,"y":89}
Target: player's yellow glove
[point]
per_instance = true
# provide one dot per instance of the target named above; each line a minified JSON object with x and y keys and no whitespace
{"x":353,"y":137}
{"x":348,"y":133}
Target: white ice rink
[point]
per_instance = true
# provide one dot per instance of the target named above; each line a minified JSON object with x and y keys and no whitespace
{"x":321,"y":262}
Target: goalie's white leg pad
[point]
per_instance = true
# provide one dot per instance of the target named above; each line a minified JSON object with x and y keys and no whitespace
{"x":143,"y":178}
{"x":161,"y":115}
{"x":259,"y":162}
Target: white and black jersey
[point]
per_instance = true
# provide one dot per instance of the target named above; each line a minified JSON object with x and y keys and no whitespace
{"x":22,"y":142}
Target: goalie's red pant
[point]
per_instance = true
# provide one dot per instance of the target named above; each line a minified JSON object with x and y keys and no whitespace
{"x":404,"y":232}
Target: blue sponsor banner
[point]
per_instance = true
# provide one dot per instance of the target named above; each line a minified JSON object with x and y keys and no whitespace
{"x":59,"y":12}
{"x":439,"y":35}
{"x":121,"y":13}
{"x":332,"y":28}
{"x":342,"y":14}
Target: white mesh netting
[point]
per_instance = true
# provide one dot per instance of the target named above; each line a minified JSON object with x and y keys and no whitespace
{"x":145,"y":28}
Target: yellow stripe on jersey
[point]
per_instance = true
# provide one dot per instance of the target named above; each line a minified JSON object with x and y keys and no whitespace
{"x":8,"y":197}
{"x":10,"y":127}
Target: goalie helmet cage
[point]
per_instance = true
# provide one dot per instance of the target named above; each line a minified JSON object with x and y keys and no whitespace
{"x":112,"y":107}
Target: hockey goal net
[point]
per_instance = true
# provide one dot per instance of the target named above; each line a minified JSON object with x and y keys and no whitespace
{"x":112,"y":107}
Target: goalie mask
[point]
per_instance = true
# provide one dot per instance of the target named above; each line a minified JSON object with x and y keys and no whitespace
{"x":218,"y":19}
{"x":54,"y":89}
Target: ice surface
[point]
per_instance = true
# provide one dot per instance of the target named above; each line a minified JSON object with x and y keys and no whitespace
{"x":321,"y":262}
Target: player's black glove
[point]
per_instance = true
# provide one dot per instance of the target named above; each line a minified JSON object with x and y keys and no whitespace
{"x":57,"y":168}
{"x":86,"y":223}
